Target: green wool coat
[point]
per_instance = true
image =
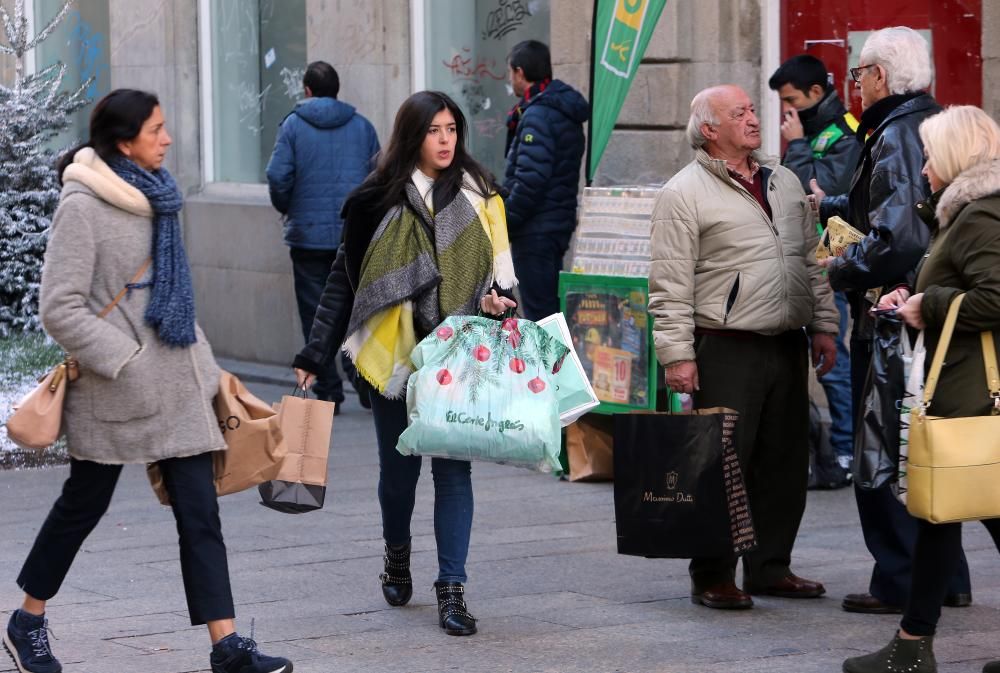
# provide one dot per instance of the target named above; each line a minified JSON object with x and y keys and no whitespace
{"x":964,"y":256}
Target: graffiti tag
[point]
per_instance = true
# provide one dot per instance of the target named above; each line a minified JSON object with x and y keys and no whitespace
{"x":463,"y":66}
{"x":506,"y":18}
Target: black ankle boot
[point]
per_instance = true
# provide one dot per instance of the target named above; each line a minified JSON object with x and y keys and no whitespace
{"x":899,"y":656}
{"x":397,"y":584}
{"x":453,"y":616}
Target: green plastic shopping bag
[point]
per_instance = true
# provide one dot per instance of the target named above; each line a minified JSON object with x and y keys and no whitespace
{"x":484,"y":390}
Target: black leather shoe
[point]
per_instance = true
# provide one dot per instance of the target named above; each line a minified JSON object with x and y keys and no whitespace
{"x":992,"y":667}
{"x":397,"y":584}
{"x":724,"y":596}
{"x":453,"y":616}
{"x":869,"y":605}
{"x":958,"y":600}
{"x":789,"y":586}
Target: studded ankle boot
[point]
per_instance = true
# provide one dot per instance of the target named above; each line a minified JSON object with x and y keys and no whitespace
{"x":899,"y":656}
{"x":453,"y":616}
{"x":397,"y":584}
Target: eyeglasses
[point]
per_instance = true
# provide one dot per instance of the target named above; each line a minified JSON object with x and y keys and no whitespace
{"x":856,"y":72}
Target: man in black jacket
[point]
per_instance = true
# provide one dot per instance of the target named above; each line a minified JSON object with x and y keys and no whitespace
{"x":822,"y":146}
{"x":545,"y":146}
{"x":893,"y":73}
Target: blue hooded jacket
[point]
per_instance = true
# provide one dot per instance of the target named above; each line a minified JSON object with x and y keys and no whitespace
{"x":543,"y":163}
{"x":323,"y":151}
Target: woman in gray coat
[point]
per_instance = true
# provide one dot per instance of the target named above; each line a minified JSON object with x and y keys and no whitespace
{"x":147,"y":375}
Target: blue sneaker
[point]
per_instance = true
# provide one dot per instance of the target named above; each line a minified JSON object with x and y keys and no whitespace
{"x":236,"y":654}
{"x":27,"y":641}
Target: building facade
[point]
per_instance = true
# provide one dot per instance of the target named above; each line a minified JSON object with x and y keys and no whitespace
{"x":227,"y":72}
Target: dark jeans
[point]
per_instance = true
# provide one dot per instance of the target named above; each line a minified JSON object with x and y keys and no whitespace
{"x":837,"y":385}
{"x":936,"y":557}
{"x":764,"y":378}
{"x":397,"y":487}
{"x":890,"y":532}
{"x":84,"y":500}
{"x":310,"y":269}
{"x":537,"y":263}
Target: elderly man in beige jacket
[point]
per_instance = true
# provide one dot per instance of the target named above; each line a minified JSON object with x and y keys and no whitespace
{"x":737,"y":297}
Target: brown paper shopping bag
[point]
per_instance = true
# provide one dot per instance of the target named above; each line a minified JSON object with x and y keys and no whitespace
{"x":590,"y":448}
{"x":300,"y":485}
{"x":253,"y":436}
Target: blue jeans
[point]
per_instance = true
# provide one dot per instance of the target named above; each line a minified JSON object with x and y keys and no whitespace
{"x":310,"y":269}
{"x":397,"y":487}
{"x":837,"y":385}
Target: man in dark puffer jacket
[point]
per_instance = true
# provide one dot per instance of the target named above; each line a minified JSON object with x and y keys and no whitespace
{"x":545,"y":146}
{"x":324,"y":150}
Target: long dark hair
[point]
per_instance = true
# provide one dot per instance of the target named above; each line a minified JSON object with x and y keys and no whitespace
{"x":385,"y":187}
{"x":116,"y":118}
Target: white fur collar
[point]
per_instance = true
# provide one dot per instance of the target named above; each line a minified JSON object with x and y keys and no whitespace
{"x":90,"y":170}
{"x":973,"y":183}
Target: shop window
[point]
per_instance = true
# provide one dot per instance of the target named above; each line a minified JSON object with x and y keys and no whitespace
{"x":466,"y":46}
{"x":258,"y":56}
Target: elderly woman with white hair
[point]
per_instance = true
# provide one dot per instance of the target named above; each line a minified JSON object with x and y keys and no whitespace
{"x":963,"y":167}
{"x":893,"y":73}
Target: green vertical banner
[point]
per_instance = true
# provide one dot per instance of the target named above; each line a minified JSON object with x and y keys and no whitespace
{"x":622,"y":29}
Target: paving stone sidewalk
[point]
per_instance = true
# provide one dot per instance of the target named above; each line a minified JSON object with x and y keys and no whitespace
{"x":545,"y":582}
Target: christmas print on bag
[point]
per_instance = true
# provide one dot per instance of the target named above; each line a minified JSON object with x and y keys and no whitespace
{"x":484,"y":390}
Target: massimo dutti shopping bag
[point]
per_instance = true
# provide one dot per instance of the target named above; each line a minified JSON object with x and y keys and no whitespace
{"x":590,"y":448}
{"x":300,"y":485}
{"x":679,"y":490}
{"x":253,"y":437}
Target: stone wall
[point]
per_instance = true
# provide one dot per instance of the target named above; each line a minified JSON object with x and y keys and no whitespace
{"x":695,"y":45}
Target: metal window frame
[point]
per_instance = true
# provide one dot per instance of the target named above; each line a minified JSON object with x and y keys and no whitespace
{"x":207,"y":105}
{"x":418,"y":45}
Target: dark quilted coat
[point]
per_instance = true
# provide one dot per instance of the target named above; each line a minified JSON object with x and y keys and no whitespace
{"x":324,"y":150}
{"x":543,"y":163}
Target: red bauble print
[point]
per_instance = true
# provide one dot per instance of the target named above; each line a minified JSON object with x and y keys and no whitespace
{"x":481,"y":353}
{"x":444,"y":333}
{"x":516,"y":365}
{"x":536,"y":385}
{"x":444,"y":377}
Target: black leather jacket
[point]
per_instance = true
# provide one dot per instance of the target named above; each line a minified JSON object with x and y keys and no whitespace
{"x":886,"y":185}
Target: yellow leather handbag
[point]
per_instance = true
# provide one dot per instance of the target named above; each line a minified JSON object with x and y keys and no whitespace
{"x":953,"y":466}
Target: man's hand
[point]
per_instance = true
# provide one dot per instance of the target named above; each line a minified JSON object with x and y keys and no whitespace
{"x":305,"y":379}
{"x":910,"y":312}
{"x":682,"y":377}
{"x":791,"y":125}
{"x":824,"y":353}
{"x":816,"y":198}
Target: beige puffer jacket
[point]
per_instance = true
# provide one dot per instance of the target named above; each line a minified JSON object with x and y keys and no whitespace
{"x":718,"y":262}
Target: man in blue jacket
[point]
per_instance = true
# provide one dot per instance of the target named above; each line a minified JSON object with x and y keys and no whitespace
{"x":545,"y":146}
{"x":323,"y":151}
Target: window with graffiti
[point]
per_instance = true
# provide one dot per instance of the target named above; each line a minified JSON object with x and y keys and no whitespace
{"x":466,"y":57}
{"x":79,"y":42}
{"x":258,"y":59}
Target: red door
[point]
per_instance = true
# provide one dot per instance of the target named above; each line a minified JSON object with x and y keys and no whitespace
{"x":835,"y":30}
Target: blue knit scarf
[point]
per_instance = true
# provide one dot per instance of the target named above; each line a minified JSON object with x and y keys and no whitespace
{"x":171,"y":304}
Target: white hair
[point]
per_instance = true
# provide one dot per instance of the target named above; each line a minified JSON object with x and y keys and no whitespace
{"x":701,"y":113}
{"x":905,"y":55}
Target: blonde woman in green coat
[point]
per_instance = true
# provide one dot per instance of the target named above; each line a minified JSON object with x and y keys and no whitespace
{"x":963,"y":164}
